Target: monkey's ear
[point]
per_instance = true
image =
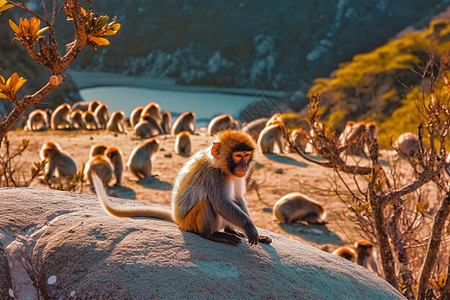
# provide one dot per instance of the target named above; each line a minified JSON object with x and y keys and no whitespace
{"x":215,"y":149}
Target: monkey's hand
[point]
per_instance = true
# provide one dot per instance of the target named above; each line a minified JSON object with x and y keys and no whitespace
{"x":252,"y":234}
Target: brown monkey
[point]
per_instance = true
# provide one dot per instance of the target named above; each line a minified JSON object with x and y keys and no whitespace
{"x":295,"y":207}
{"x":37,"y":121}
{"x":183,"y":143}
{"x":271,"y":139}
{"x":221,"y":123}
{"x":141,"y":158}
{"x":76,"y":119}
{"x":147,"y":127}
{"x":154,"y":110}
{"x":115,"y":156}
{"x":61,"y":117}
{"x":407,"y":145}
{"x":115,"y":122}
{"x":90,"y":122}
{"x":366,"y":255}
{"x":98,"y":149}
{"x":58,"y":161}
{"x":184,"y":122}
{"x":166,"y":122}
{"x":102,"y":115}
{"x":208,"y":194}
{"x":93,"y":104}
{"x":135,"y":115}
{"x":100,"y":165}
{"x":351,"y":140}
{"x":346,"y":252}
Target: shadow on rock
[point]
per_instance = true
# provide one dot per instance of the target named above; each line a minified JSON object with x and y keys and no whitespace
{"x":121,"y":192}
{"x":154,"y":183}
{"x":285,"y":160}
{"x":318,"y":234}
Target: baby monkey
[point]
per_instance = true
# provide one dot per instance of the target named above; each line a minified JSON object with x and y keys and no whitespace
{"x":208,"y":194}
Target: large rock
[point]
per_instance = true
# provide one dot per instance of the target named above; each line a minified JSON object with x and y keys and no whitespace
{"x":58,"y":245}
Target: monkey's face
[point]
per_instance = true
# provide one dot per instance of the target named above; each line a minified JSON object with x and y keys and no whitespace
{"x":239,"y":162}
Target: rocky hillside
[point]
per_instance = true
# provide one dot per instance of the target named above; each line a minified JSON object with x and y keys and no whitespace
{"x":270,"y":45}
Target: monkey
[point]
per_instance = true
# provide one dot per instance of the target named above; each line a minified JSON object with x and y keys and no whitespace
{"x":255,"y":127}
{"x":58,"y":161}
{"x":295,"y":207}
{"x":275,"y":119}
{"x":298,"y":137}
{"x":407,"y":145}
{"x":97,"y":149}
{"x":90,"y":122}
{"x":135,"y":115}
{"x":141,"y":158}
{"x":93,"y":104}
{"x":37,"y":121}
{"x":183,"y":143}
{"x":221,"y":123}
{"x":115,"y":122}
{"x":100,"y":165}
{"x":184,"y":122}
{"x":102,"y":115}
{"x":60,"y":117}
{"x":208,"y":193}
{"x":154,"y":110}
{"x":351,"y":140}
{"x":115,"y":156}
{"x":365,"y":255}
{"x":271,"y":137}
{"x":346,"y":252}
{"x":76,"y":119}
{"x":147,"y":127}
{"x":166,"y":122}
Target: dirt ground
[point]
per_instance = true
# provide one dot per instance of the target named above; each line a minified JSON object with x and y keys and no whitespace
{"x":276,"y":175}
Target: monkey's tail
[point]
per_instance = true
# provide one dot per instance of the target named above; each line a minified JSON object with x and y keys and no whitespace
{"x":149,"y":212}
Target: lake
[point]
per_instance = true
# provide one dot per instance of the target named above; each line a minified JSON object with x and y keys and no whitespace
{"x":206,"y":105}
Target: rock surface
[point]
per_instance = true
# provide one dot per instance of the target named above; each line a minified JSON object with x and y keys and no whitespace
{"x":60,"y":245}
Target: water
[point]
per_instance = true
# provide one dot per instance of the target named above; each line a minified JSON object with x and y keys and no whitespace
{"x":205,"y":105}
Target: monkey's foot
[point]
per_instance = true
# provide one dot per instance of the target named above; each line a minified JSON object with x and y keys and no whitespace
{"x":237,"y":233}
{"x":265,"y":239}
{"x":226,"y":238}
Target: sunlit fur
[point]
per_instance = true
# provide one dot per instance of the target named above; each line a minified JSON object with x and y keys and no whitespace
{"x":346,"y":252}
{"x":185,"y":122}
{"x":207,"y":198}
{"x":295,"y":207}
{"x":115,"y":156}
{"x":115,"y":122}
{"x":271,"y":139}
{"x":183,"y":143}
{"x":37,"y":121}
{"x":100,"y":165}
{"x":76,"y":119}
{"x":154,"y":110}
{"x":93,"y":104}
{"x":221,"y":123}
{"x":366,"y":255}
{"x":102,"y":115}
{"x":135,"y":115}
{"x":141,"y":158}
{"x":147,"y":127}
{"x":89,"y":120}
{"x":61,"y":117}
{"x":58,"y":161}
